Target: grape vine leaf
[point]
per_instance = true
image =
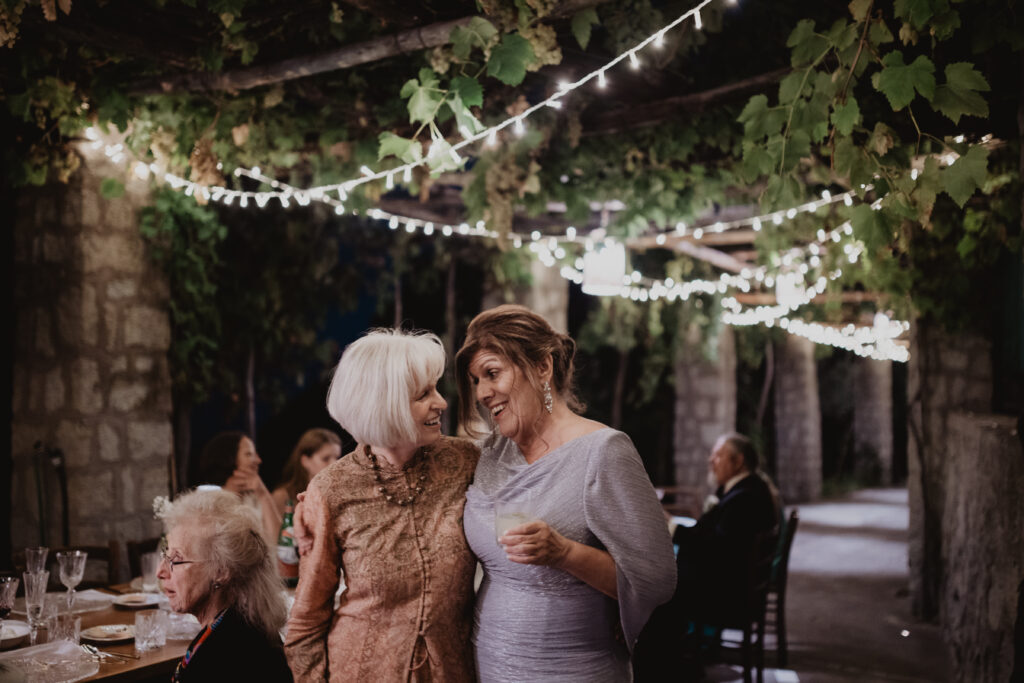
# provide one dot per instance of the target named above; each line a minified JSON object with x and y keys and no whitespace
{"x":846,"y":115}
{"x":807,"y":45}
{"x":967,"y":174}
{"x":859,"y":9}
{"x":405,"y":149}
{"x":478,"y":33}
{"x":424,"y":96}
{"x":582,"y":22}
{"x":959,"y":96}
{"x":918,"y":12}
{"x":509,"y":59}
{"x":464,"y":118}
{"x":898,"y":81}
{"x":469,"y":90}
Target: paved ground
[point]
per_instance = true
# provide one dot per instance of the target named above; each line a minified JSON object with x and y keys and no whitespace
{"x":848,"y":609}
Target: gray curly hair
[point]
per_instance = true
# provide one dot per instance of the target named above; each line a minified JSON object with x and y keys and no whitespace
{"x":230,"y":532}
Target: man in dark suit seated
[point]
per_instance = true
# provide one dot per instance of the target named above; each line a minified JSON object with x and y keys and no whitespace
{"x":713,"y":553}
{"x":712,"y":559}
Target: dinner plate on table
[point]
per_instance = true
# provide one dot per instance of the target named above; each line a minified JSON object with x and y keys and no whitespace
{"x":109,"y":633}
{"x":14,"y":632}
{"x":137,"y":600}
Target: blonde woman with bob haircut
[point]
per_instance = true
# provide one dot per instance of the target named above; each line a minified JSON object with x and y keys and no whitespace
{"x":389,"y":514}
{"x":217,"y":567}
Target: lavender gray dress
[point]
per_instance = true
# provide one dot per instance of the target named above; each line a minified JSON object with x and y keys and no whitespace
{"x":535,"y":623}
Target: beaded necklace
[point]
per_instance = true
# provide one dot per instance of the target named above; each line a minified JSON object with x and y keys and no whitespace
{"x":191,"y":651}
{"x":414,"y":491}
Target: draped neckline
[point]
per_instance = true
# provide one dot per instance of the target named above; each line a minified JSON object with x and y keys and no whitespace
{"x":520,"y":459}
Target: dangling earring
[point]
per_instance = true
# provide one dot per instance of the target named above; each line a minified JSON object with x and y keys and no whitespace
{"x":548,"y":400}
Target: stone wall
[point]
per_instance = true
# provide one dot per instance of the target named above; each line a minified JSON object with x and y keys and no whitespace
{"x":872,"y":420}
{"x":90,"y":364}
{"x":797,"y":421}
{"x":705,"y":404}
{"x":982,"y":552}
{"x":966,"y":474}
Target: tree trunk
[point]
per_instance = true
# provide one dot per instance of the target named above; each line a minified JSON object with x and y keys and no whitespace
{"x":181,"y":457}
{"x":250,"y":393}
{"x":450,"y":318}
{"x":620,"y":389}
{"x":766,"y":388}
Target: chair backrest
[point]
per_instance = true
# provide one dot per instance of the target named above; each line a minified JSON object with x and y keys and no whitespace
{"x":759,"y":573}
{"x":136,"y":549}
{"x":780,"y":564}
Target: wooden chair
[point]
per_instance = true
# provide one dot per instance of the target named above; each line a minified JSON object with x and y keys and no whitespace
{"x":776,"y":601}
{"x":110,"y":554}
{"x":136,"y":549}
{"x":749,"y":615}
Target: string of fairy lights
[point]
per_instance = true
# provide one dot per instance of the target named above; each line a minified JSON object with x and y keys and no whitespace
{"x":788,"y":278}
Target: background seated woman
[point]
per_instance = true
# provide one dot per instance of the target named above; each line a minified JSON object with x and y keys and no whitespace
{"x":230,"y":461}
{"x":217,"y":567}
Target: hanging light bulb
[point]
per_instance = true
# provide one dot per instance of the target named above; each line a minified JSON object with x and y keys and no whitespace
{"x":697,"y":23}
{"x":633,"y":61}
{"x":519,"y":129}
{"x":407,"y":175}
{"x":602,"y":82}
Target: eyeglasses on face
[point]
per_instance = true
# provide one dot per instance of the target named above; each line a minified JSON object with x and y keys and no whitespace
{"x":171,"y":564}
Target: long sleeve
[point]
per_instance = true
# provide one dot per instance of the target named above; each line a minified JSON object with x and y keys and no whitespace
{"x":306,"y":642}
{"x":622,"y":510}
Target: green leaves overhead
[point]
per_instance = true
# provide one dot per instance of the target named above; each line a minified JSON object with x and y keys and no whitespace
{"x":959,"y":95}
{"x":509,"y":59}
{"x":469,"y":90}
{"x":409,"y":151}
{"x":424,"y":96}
{"x":479,"y":34}
{"x":898,"y":81}
{"x":582,"y":23}
{"x":846,"y":115}
{"x":967,"y":174}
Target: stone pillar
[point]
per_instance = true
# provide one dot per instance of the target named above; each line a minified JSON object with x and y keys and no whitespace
{"x":982,"y":553}
{"x":547,"y":295}
{"x":947,"y":373}
{"x":797,"y":421}
{"x":90,"y":365}
{"x":872,"y":420}
{"x":705,"y":403}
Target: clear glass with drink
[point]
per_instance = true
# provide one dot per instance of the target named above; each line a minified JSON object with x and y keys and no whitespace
{"x":150,"y":629}
{"x":35,"y":600}
{"x":8,"y":587}
{"x":512,"y":507}
{"x":150,"y":564}
{"x":67,"y":627}
{"x":72,"y":567}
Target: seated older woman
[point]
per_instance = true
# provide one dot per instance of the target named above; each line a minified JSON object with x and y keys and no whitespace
{"x":217,"y":567}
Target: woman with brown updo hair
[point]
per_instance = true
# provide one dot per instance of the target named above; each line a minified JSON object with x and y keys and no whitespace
{"x":317,"y":448}
{"x":566,"y":593}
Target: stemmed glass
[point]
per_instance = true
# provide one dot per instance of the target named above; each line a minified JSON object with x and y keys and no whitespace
{"x":35,"y":600}
{"x":8,"y":587}
{"x":72,"y":567}
{"x":35,"y":559}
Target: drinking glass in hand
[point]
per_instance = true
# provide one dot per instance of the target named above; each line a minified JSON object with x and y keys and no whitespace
{"x":35,"y":599}
{"x":8,"y":587}
{"x":72,"y":567}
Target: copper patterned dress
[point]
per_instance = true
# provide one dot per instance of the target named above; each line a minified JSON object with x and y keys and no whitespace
{"x":407,"y":612}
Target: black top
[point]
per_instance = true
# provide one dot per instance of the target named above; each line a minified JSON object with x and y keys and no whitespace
{"x":237,"y":651}
{"x":713,"y":554}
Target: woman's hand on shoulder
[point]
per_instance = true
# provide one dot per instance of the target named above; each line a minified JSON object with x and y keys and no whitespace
{"x":300,"y":530}
{"x":536,"y":543}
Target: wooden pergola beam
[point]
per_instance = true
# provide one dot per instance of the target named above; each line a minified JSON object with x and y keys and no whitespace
{"x":768,"y":299}
{"x":632,"y":117}
{"x":410,"y":40}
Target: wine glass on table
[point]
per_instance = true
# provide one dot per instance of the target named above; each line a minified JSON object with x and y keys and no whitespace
{"x":35,"y":600}
{"x":8,"y":587}
{"x":72,"y":567}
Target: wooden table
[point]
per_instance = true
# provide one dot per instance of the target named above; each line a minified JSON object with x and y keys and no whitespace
{"x":157,"y":665}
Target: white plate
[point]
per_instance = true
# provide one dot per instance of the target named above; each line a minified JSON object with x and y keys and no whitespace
{"x":109,"y":633}
{"x":137,"y":600}
{"x":13,"y":633}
